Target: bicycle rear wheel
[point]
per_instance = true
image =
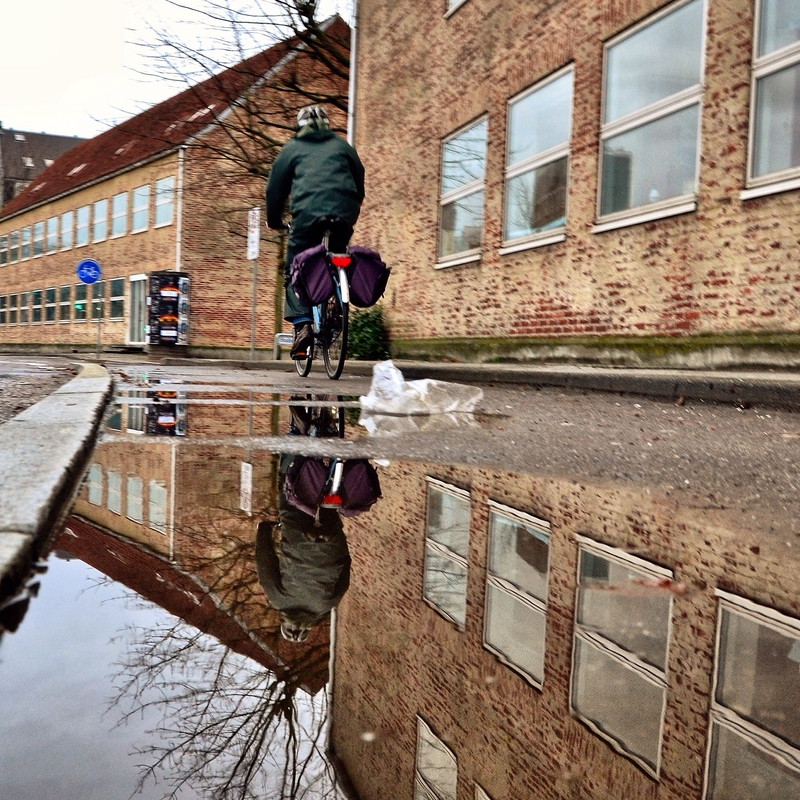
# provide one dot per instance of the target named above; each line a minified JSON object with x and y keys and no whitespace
{"x":335,"y":315}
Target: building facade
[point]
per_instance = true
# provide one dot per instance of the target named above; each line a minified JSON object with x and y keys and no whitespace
{"x":563,"y":174}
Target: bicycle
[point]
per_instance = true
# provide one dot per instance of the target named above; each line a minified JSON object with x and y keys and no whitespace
{"x":331,"y":318}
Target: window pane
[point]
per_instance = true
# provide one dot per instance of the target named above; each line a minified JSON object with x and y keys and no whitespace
{"x":119,"y":212}
{"x":3,"y":250}
{"x":66,"y":230}
{"x":14,"y":246}
{"x":26,"y":242}
{"x":95,"y":485}
{"x":36,"y":303}
{"x":114,"y":499}
{"x":651,"y":163}
{"x":537,"y":200}
{"x":777,"y":122}
{"x":759,"y":675}
{"x":518,"y":553}
{"x":619,"y":701}
{"x":461,"y":225}
{"x":157,"y":505}
{"x":445,"y":585}
{"x":99,"y":222}
{"x":164,"y":199}
{"x":141,"y":208}
{"x":636,"y":77}
{"x":779,"y":23}
{"x":740,"y":771}
{"x":463,"y":158}
{"x":516,"y":630}
{"x":436,"y":764}
{"x":540,"y":120}
{"x":38,"y":238}
{"x":448,"y":520}
{"x":52,"y":234}
{"x":82,"y":226}
{"x":24,"y":303}
{"x":621,"y":604}
{"x":80,"y":301}
{"x":133,"y":498}
{"x":3,"y":309}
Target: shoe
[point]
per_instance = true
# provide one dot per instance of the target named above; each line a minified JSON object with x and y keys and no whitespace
{"x":303,"y":340}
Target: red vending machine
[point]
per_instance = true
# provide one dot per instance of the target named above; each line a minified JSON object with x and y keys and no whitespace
{"x":168,"y":308}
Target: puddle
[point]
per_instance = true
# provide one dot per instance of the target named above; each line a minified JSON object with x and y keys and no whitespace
{"x":506,"y":632}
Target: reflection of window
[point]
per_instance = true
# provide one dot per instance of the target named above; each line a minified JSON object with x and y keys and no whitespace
{"x":164,"y":200}
{"x":436,"y":773}
{"x":51,"y":242}
{"x":157,"y":505}
{"x":38,"y":239}
{"x":94,"y":483}
{"x":133,"y":498}
{"x":619,"y":668}
{"x":119,"y":214}
{"x":99,"y":220}
{"x":67,"y":221}
{"x":36,"y":306}
{"x":650,"y":131}
{"x":140,"y":209}
{"x":461,"y":214}
{"x":536,"y":164}
{"x":80,"y":302}
{"x":516,"y":591}
{"x":446,"y":550}
{"x":24,"y":308}
{"x":82,"y":226}
{"x":136,"y":413}
{"x":117,"y":298}
{"x":50,"y":304}
{"x":3,"y":309}
{"x":13,"y":306}
{"x":98,"y":299}
{"x":775,"y":124}
{"x":754,"y":749}
{"x":63,"y":303}
{"x":114,"y":494}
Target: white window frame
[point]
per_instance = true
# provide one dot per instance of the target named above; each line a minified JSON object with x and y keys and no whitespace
{"x":36,"y":306}
{"x":116,"y":298}
{"x":531,"y":164}
{"x":134,"y":505}
{"x":763,"y":66}
{"x":82,"y":226}
{"x":134,"y":412}
{"x":442,"y":550}
{"x":24,"y":308}
{"x":25,"y":243}
{"x":64,"y":303}
{"x":51,"y":235}
{"x":640,"y":668}
{"x":13,"y":247}
{"x":50,"y":305}
{"x":67,"y":230}
{"x":724,"y":717}
{"x":534,"y":604}
{"x":473,"y":254}
{"x":4,"y":254}
{"x":140,"y":204}
{"x":38,"y":239}
{"x":86,"y":300}
{"x":13,"y":308}
{"x":114,"y":491}
{"x":100,"y":219}
{"x":423,"y":790}
{"x":119,"y":214}
{"x":661,"y":109}
{"x":98,"y":300}
{"x":94,"y":484}
{"x":3,"y":309}
{"x":164,"y":197}
{"x":161,"y":485}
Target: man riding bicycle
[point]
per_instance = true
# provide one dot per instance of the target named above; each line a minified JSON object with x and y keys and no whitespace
{"x":325,"y":178}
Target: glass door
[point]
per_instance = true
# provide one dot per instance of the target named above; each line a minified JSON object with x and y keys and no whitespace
{"x":138,"y":313}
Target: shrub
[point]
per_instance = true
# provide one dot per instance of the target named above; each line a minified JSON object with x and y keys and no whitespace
{"x":367,"y":338}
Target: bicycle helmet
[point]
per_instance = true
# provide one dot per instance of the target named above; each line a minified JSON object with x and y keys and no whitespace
{"x":312,"y":115}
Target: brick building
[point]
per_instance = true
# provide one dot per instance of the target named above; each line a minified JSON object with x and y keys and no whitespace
{"x":572,"y":175}
{"x":166,"y":191}
{"x":512,"y":637}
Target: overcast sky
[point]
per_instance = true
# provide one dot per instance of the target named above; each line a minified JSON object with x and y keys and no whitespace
{"x":69,"y":66}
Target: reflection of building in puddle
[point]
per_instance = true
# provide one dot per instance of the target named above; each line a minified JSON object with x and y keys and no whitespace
{"x":519,"y":636}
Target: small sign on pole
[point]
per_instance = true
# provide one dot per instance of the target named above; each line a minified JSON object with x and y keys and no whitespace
{"x":253,"y":232}
{"x":246,"y":488}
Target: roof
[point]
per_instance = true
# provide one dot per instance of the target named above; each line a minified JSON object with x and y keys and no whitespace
{"x":25,"y":154}
{"x":155,"y":132}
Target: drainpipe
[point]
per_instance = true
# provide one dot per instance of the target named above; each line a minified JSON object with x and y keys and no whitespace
{"x":351,"y":89}
{"x":179,"y":210}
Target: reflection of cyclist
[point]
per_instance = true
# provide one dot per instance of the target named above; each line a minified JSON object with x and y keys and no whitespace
{"x":325,"y":177}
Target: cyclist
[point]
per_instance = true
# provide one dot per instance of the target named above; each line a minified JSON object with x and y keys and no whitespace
{"x":325,"y":178}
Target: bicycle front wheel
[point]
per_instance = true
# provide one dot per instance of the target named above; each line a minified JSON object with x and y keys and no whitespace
{"x":335,"y":316}
{"x":303,"y":365}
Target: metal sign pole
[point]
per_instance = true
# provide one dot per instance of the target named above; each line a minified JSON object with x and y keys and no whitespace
{"x":253,"y":312}
{"x":253,"y":233}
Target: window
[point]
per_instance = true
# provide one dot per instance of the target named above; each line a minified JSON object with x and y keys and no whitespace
{"x":82,"y":226}
{"x":50,"y":304}
{"x":133,"y":498}
{"x":26,"y":243}
{"x":754,"y":748}
{"x":94,"y":484}
{"x":63,"y":304}
{"x":36,"y":306}
{"x":51,"y":243}
{"x":14,"y":246}
{"x":775,"y":114}
{"x":136,"y":416}
{"x":516,"y":591}
{"x":3,"y":309}
{"x":165,"y":189}
{"x":119,"y":214}
{"x":98,"y":299}
{"x":619,"y":659}
{"x":117,"y":298}
{"x":446,"y":550}
{"x":13,"y":306}
{"x":140,"y":211}
{"x":24,"y":308}
{"x":38,"y":239}
{"x":67,"y":221}
{"x":651,"y":119}
{"x":537,"y":162}
{"x":3,"y":250}
{"x":80,"y":302}
{"x":461,"y":211}
{"x":157,"y":505}
{"x":114,"y":491}
{"x":99,"y":220}
{"x":436,"y":773}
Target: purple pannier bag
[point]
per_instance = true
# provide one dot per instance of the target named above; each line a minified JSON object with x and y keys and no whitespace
{"x":310,"y":277}
{"x":367,"y":275}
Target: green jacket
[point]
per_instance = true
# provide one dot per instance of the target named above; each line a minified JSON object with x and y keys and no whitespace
{"x":324,"y":176}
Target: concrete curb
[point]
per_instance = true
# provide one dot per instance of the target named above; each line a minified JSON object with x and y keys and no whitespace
{"x":45,"y":451}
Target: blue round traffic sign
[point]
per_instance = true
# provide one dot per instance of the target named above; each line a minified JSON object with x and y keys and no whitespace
{"x":88,"y":271}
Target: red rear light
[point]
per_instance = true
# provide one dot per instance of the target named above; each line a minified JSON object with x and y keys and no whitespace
{"x":340,"y":261}
{"x":331,"y":501}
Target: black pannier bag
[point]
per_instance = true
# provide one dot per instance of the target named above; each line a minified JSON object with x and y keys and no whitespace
{"x":310,"y":276}
{"x":367,"y":275}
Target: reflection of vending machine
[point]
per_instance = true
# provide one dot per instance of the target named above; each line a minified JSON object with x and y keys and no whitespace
{"x":168,"y":308}
{"x":166,"y":415}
